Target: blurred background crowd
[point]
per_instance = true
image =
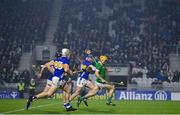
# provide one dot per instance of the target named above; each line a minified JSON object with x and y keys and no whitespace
{"x":140,"y":33}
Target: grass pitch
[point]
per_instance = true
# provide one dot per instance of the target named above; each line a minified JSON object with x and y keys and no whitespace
{"x":55,"y":106}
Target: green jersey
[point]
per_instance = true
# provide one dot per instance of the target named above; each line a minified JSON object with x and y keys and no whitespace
{"x":102,"y":71}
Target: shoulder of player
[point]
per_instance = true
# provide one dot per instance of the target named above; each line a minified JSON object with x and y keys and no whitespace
{"x":85,"y":62}
{"x":49,"y":63}
{"x":63,"y":59}
{"x":52,"y":61}
{"x":99,"y":64}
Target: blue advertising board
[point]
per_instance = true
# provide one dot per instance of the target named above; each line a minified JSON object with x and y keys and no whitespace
{"x":8,"y":94}
{"x":142,"y":95}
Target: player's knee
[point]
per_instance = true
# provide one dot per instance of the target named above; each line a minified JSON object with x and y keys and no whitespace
{"x":78,"y":92}
{"x":113,"y":87}
{"x":96,"y":88}
{"x":68,"y":92}
{"x":46,"y":89}
{"x":49,"y":94}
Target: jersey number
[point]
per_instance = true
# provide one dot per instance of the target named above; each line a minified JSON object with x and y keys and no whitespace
{"x":58,"y":65}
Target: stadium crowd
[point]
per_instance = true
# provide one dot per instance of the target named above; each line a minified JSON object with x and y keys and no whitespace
{"x":127,"y":30}
{"x":22,"y":23}
{"x":139,"y":32}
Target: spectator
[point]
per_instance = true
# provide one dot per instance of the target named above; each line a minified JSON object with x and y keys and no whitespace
{"x":21,"y":89}
{"x":22,"y":23}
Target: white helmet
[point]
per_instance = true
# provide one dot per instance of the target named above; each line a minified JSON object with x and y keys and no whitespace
{"x":65,"y":52}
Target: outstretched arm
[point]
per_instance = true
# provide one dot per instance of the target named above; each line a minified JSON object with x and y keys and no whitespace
{"x":48,"y":66}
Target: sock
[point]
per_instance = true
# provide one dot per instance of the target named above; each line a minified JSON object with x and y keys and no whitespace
{"x":83,"y":98}
{"x":109,"y":100}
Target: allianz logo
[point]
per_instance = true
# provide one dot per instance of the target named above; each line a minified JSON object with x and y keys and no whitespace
{"x":160,"y":95}
{"x":133,"y":95}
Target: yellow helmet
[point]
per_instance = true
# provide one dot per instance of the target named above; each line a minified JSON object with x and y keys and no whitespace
{"x":103,"y":58}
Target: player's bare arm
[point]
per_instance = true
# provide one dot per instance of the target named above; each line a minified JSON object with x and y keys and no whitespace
{"x":48,"y":66}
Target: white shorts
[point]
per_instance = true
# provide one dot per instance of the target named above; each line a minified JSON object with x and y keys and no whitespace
{"x":82,"y":82}
{"x":101,"y":85}
{"x":49,"y":82}
{"x":57,"y":82}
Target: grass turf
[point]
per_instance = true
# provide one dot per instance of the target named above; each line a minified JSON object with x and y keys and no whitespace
{"x":55,"y":106}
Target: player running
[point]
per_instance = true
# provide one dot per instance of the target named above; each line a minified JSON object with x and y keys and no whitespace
{"x":83,"y":80}
{"x":50,"y":66}
{"x":101,"y":72}
{"x":100,"y":81}
{"x":61,"y":67}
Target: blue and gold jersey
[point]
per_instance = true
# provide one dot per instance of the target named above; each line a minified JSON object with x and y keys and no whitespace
{"x":85,"y":74}
{"x":59,"y":66}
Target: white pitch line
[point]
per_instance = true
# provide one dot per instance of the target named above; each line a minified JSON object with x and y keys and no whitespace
{"x":29,"y":108}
